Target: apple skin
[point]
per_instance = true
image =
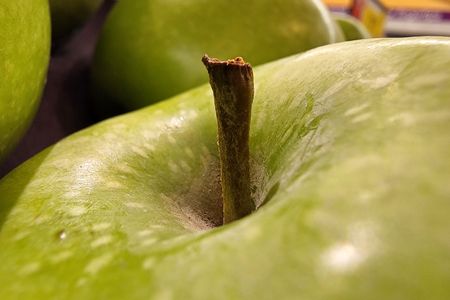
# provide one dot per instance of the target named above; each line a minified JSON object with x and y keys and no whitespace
{"x":67,"y":15}
{"x":24,"y":57}
{"x":353,"y":140}
{"x":148,"y":49}
{"x":351,"y":27}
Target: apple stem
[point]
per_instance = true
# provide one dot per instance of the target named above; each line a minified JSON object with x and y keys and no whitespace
{"x":232,"y":85}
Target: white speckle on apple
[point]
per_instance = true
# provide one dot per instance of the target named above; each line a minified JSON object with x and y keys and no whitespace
{"x":98,"y":263}
{"x":20,"y":235}
{"x":148,"y":263}
{"x":252,"y":233}
{"x":184,"y":165}
{"x":71,"y":194}
{"x":366,"y":196}
{"x":119,"y":126}
{"x":60,"y":163}
{"x":139,"y":151}
{"x":342,"y":257}
{"x":149,"y":147}
{"x":101,"y":241}
{"x":41,"y":219}
{"x":36,"y":183}
{"x":124,"y":168}
{"x":333,"y":89}
{"x":364,"y":234}
{"x":164,"y":295}
{"x":354,"y":110}
{"x":191,"y":114}
{"x":189,"y":152}
{"x":133,"y":204}
{"x":150,"y":134}
{"x":173,"y":167}
{"x":113,"y":185}
{"x":361,"y":118}
{"x":171,"y":140}
{"x":175,"y":122}
{"x":60,"y":257}
{"x":164,"y":197}
{"x":404,"y":118}
{"x":110,"y":136}
{"x":149,"y":241}
{"x":85,"y":175}
{"x":30,"y":268}
{"x":82,"y":281}
{"x":158,"y":226}
{"x":145,"y":232}
{"x":101,"y":226}
{"x":77,"y":211}
{"x":380,"y":82}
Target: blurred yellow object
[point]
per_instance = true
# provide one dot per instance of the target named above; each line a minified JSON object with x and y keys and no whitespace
{"x":398,"y":4}
{"x":372,"y":14}
{"x":374,"y":19}
{"x":398,"y":17}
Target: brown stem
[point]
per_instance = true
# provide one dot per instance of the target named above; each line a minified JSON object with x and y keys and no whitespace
{"x":232,"y":85}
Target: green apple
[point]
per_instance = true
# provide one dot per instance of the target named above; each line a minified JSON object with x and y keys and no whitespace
{"x":351,"y":27}
{"x":24,"y":56}
{"x":149,"y":49}
{"x":349,"y":146}
{"x":68,"y":14}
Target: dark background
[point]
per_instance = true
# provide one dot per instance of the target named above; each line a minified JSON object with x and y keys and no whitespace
{"x":66,"y":105}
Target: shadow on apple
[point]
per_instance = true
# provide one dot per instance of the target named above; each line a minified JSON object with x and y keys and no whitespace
{"x":15,"y":190}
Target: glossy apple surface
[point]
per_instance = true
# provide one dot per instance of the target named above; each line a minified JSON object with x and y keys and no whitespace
{"x":67,"y":15}
{"x":24,"y":56}
{"x":149,"y":48}
{"x":351,"y":27}
{"x":350,"y":158}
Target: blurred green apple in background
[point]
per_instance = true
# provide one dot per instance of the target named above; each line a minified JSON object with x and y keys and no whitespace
{"x":351,"y":27}
{"x":24,"y":57}
{"x":350,"y":161}
{"x":66,"y":15}
{"x":149,"y":49}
